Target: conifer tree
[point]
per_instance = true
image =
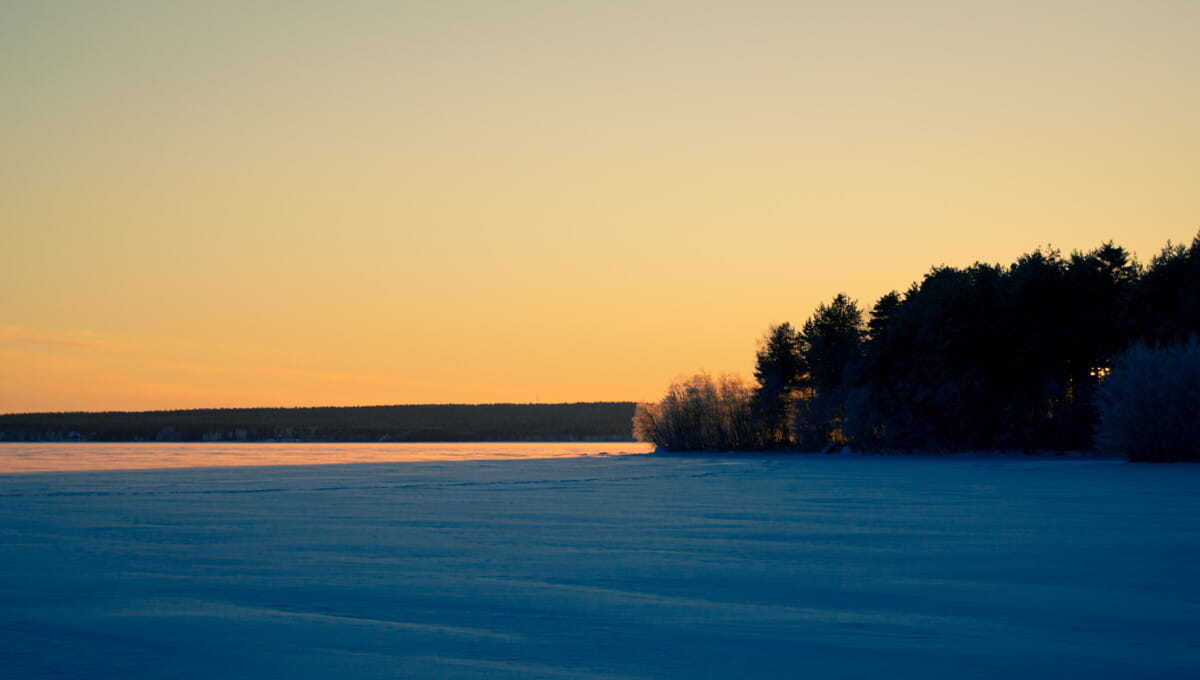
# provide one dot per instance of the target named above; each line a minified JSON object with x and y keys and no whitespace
{"x":779,"y":372}
{"x":831,"y":343}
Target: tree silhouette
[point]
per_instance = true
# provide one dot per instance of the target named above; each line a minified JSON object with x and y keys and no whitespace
{"x":780,"y":372}
{"x":1167,"y":297}
{"x":989,"y":357}
{"x":699,"y":413}
{"x":831,"y":344}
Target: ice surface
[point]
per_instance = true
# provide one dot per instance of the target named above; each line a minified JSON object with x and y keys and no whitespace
{"x":638,"y":566}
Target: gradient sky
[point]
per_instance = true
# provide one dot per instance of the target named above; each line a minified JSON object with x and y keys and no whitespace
{"x":299,"y":203}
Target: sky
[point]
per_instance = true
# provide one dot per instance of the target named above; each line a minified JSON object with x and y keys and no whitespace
{"x":296,"y":203}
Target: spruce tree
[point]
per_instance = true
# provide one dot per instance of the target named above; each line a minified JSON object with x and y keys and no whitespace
{"x":779,"y":372}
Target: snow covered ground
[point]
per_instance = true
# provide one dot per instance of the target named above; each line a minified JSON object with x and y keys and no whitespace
{"x":638,"y":566}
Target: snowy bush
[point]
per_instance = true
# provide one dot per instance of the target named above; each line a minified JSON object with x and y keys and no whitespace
{"x":1150,"y":404}
{"x":698,"y":413}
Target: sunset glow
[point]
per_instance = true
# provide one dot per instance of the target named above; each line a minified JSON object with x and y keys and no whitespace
{"x":298,"y":204}
{"x":58,"y":457}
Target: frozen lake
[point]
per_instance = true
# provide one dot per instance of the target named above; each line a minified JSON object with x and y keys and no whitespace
{"x":637,"y":566}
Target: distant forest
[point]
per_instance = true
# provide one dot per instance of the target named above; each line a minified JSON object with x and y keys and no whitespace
{"x":599,"y":421}
{"x":1088,"y":351}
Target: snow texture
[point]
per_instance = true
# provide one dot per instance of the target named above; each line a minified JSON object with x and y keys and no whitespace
{"x":638,"y":566}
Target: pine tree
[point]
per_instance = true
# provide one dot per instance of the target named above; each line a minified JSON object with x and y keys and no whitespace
{"x":779,"y":372}
{"x":831,"y":342}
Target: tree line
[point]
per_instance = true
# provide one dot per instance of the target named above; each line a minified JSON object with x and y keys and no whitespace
{"x":598,"y":421}
{"x":987,"y":357}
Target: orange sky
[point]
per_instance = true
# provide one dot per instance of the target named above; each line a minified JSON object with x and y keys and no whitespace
{"x":303,"y":203}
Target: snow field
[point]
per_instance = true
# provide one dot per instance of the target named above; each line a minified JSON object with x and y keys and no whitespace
{"x":640,"y":566}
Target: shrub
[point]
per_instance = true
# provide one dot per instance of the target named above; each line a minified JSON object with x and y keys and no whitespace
{"x":1150,"y":404}
{"x":699,"y":413}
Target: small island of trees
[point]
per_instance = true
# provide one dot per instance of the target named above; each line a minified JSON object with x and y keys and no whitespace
{"x":1092,"y":351}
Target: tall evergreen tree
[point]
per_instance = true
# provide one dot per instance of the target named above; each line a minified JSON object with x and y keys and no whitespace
{"x":831,"y":342}
{"x":881,"y":313}
{"x":871,"y":409}
{"x":779,"y":372}
{"x":1167,"y":298}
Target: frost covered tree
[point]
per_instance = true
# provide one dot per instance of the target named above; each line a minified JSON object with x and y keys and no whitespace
{"x":1150,"y":404}
{"x":699,"y":413}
